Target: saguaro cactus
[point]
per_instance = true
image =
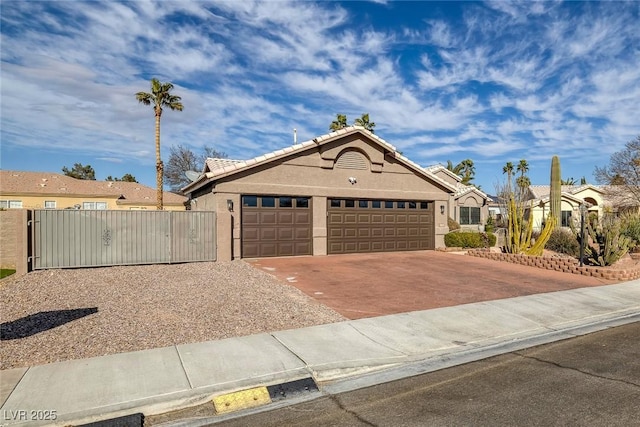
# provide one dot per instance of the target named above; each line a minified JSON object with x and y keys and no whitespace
{"x":555,"y":195}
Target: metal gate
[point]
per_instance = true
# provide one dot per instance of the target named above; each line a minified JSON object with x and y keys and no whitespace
{"x":91,"y":238}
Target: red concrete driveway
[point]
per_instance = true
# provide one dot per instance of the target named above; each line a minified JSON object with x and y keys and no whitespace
{"x":367,"y":285}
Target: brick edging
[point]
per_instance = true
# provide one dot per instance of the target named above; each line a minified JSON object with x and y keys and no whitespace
{"x":566,"y":265}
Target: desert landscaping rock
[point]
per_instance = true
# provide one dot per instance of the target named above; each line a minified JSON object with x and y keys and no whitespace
{"x":142,"y":307}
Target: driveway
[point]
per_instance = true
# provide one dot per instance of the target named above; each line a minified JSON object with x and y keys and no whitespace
{"x":368,"y":285}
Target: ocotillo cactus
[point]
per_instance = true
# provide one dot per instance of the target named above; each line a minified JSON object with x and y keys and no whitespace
{"x":555,"y":195}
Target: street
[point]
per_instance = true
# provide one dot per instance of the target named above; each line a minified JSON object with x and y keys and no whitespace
{"x":592,"y":380}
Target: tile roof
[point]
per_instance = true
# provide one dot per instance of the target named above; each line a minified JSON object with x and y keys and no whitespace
{"x":47,"y":183}
{"x":222,"y":167}
{"x":461,"y":189}
{"x":543,"y":191}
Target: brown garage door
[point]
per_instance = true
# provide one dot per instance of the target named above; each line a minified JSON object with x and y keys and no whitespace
{"x":379,"y":225}
{"x":276,"y":226}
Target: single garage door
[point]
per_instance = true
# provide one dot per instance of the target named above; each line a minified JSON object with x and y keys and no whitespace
{"x":357,"y":225}
{"x":276,"y":226}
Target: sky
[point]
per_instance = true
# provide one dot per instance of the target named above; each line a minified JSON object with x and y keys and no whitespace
{"x":491,"y":81}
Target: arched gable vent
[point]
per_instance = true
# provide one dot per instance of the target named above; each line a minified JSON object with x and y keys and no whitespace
{"x":352,"y":160}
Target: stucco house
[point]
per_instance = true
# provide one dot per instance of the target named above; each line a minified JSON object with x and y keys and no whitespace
{"x":592,"y":196}
{"x":348,"y":191}
{"x":469,"y":205}
{"x":46,"y":190}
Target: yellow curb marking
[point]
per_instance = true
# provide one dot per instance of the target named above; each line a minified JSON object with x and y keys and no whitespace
{"x":243,"y":399}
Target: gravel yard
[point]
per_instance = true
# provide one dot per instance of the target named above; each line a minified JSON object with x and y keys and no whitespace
{"x":54,"y":315}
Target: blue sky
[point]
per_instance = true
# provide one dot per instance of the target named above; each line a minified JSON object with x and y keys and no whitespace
{"x":492,"y":81}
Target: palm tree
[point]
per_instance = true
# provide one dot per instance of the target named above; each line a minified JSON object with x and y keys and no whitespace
{"x":523,"y":167}
{"x":465,"y":170}
{"x":568,"y":181}
{"x":365,"y":123}
{"x":159,"y":97}
{"x":508,"y":169}
{"x":339,"y":123}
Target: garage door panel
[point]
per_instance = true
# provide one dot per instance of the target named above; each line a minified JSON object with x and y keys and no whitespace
{"x":362,"y":229}
{"x":302,"y":233}
{"x":251,"y":218}
{"x":285,"y":233}
{"x":302,"y":217}
{"x":270,"y":218}
{"x":285,"y":218}
{"x":268,"y":234}
{"x":350,"y":219}
{"x":364,"y":233}
{"x":250,"y":234}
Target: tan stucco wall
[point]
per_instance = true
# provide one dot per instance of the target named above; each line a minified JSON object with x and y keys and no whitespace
{"x":64,"y":202}
{"x":14,"y":239}
{"x":311,"y":174}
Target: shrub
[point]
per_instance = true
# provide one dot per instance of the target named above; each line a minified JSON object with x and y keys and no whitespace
{"x":452,"y":224}
{"x":488,"y":227}
{"x":469,"y":239}
{"x":564,"y":242}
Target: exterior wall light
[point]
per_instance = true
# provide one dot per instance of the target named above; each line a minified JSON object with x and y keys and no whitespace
{"x":230,"y":205}
{"x":442,"y":209}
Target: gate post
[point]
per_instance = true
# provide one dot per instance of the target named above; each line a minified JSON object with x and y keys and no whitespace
{"x":224,"y":236}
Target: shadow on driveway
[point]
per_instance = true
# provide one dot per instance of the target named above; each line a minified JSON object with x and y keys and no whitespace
{"x":40,"y":322}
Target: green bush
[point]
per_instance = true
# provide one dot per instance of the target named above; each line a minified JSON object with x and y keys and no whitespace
{"x":564,"y":242}
{"x":452,"y":224}
{"x":489,"y":226}
{"x":469,"y":239}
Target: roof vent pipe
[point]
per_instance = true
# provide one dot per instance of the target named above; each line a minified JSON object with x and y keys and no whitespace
{"x":295,"y":136}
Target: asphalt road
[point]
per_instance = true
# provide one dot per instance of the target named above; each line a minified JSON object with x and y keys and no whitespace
{"x":592,"y":380}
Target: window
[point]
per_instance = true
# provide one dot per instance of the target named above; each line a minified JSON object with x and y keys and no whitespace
{"x":50,"y":204}
{"x":100,"y":206}
{"x":302,"y":202}
{"x":268,"y":202}
{"x":363,"y":203}
{"x":469,"y":216}
{"x":349,"y":204}
{"x":412,"y":205}
{"x":424,"y":205}
{"x":335,"y":203}
{"x":10,"y":204}
{"x":376,"y":204}
{"x":566,"y":218}
{"x":250,"y":201}
{"x":388,"y":204}
{"x":285,"y":202}
{"x":400,"y":205}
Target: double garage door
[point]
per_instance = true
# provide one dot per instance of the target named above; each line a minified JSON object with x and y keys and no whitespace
{"x":282,"y":226}
{"x":379,"y":225}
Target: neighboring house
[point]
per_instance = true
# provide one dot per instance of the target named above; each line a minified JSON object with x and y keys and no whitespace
{"x":45,"y":190}
{"x":468,"y":205}
{"x":345,"y":192}
{"x":592,"y":196}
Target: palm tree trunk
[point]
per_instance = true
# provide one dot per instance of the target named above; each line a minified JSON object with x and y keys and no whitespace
{"x":159,"y":166}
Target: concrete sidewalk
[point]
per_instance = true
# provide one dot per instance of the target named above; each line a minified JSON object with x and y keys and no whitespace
{"x":338,"y":356}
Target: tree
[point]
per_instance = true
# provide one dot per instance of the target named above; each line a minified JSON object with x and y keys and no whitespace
{"x":364,"y":122}
{"x":465,"y":170}
{"x":127,"y":177}
{"x":622,"y":175}
{"x":568,"y":181}
{"x":339,"y":123}
{"x":183,"y":159}
{"x":80,"y":172}
{"x":159,"y":97}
